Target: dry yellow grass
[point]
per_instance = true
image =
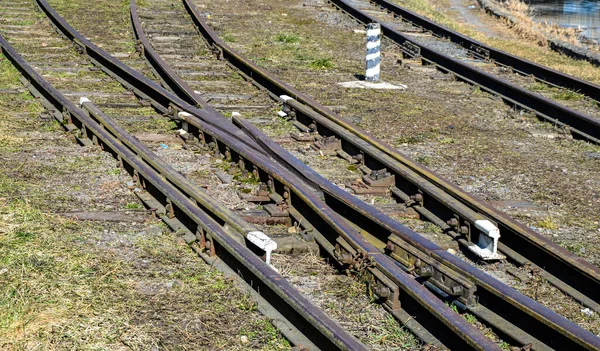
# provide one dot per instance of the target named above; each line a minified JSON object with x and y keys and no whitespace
{"x":528,"y":28}
{"x":508,"y":41}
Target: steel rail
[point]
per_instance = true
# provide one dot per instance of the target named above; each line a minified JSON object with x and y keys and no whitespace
{"x":163,"y":100}
{"x":164,"y":71}
{"x":580,"y":124}
{"x":502,"y":308}
{"x":300,"y":320}
{"x":400,"y":291}
{"x":360,"y":208}
{"x":571,"y":274}
{"x":479,"y":49}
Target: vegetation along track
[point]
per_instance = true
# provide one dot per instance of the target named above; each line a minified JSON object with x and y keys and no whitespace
{"x":311,"y":118}
{"x":517,"y":81}
{"x":256,"y":74}
{"x":204,"y":230}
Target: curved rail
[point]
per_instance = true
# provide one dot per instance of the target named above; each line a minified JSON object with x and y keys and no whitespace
{"x":356,"y":207}
{"x":301,"y":321}
{"x":442,"y":201}
{"x":400,"y":291}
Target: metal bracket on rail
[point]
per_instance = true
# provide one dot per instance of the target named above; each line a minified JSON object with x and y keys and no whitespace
{"x":79,"y":47}
{"x":427,"y":269}
{"x":328,"y":145}
{"x":376,"y":182}
{"x":410,"y":50}
{"x":479,"y":52}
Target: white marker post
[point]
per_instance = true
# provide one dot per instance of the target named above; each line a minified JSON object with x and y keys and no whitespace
{"x":373,"y":52}
{"x":262,"y":241}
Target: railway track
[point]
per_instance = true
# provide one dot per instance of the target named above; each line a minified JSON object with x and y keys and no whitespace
{"x":254,"y":74}
{"x":499,"y":73}
{"x":197,"y":220}
{"x":439,"y":201}
{"x":233,"y":146}
{"x":186,"y":208}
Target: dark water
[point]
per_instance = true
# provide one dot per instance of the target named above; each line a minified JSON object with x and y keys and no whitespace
{"x":583,"y":14}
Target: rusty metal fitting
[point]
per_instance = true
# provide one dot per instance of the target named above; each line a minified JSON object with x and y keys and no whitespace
{"x":347,"y":258}
{"x":424,"y":271}
{"x":417,"y":198}
{"x":344,"y":258}
{"x":453,"y":222}
{"x":390,"y":246}
{"x":418,"y":263}
{"x":382,"y":291}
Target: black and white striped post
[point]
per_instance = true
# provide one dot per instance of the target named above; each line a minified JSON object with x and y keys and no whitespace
{"x":373,"y":52}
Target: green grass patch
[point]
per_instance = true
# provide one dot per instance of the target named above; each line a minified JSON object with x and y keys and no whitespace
{"x":547,"y":223}
{"x":538,"y":86}
{"x":323,"y":63}
{"x":567,"y":95}
{"x":133,"y":206}
{"x":229,"y":38}
{"x":287,"y":38}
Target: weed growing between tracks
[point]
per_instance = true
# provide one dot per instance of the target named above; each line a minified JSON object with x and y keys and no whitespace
{"x":69,"y":284}
{"x":343,"y":298}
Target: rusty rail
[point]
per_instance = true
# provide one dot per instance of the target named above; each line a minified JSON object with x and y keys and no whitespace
{"x":299,"y":319}
{"x":580,"y":124}
{"x":344,"y":244}
{"x":491,"y":54}
{"x":441,"y":201}
{"x":265,"y":80}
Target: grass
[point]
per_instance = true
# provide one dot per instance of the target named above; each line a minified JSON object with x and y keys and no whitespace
{"x":133,"y":206}
{"x":567,"y":95}
{"x":229,"y":38}
{"x":424,"y":160}
{"x":286,"y":38}
{"x":547,"y":223}
{"x":320,"y":64}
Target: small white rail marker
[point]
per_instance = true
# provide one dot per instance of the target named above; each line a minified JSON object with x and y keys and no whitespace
{"x":487,"y":246}
{"x":262,"y":241}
